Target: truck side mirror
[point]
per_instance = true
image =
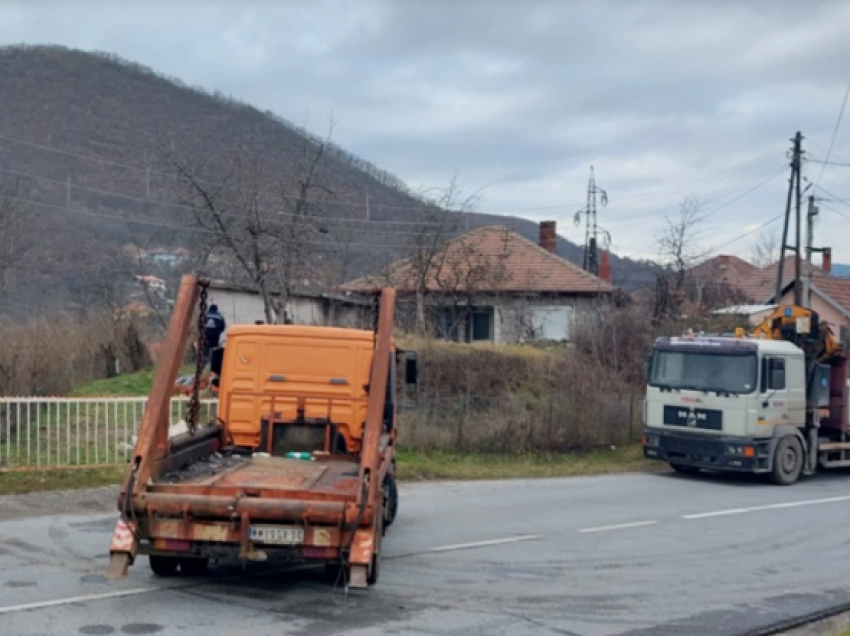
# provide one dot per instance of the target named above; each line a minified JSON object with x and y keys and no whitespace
{"x":216,"y":360}
{"x":647,"y":366}
{"x":411,"y":369}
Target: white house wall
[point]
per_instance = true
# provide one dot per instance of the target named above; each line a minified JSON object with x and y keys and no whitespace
{"x":243,"y":308}
{"x":552,"y":322}
{"x":551,"y":319}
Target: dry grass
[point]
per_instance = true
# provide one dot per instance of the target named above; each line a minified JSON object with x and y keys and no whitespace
{"x":53,"y":356}
{"x":40,"y":481}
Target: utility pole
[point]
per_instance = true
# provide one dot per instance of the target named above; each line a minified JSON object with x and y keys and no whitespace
{"x":368,"y":206}
{"x":811,"y":213}
{"x":591,"y":252}
{"x":793,"y":184}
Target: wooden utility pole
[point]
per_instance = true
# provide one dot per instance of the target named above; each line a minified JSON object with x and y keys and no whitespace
{"x":793,"y":184}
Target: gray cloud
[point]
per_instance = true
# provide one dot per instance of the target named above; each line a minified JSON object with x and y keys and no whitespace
{"x":523,"y":98}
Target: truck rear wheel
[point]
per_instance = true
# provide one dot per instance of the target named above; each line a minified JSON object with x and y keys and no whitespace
{"x":194,"y":566}
{"x":681,"y":468}
{"x":390,"y":500}
{"x":163,"y":565}
{"x":374,"y":570}
{"x":787,"y":461}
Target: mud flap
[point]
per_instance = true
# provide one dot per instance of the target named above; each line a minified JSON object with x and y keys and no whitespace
{"x":361,"y":557}
{"x":122,"y":550}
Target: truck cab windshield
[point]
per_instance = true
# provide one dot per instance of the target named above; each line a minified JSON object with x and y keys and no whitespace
{"x":699,"y":371}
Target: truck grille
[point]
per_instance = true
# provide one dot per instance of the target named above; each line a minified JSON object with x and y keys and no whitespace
{"x":687,"y":417}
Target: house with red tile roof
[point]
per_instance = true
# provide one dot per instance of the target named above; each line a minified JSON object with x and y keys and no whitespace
{"x":491,"y":284}
{"x":830,"y":295}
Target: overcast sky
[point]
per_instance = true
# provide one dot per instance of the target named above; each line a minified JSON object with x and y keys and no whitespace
{"x":665,"y":99}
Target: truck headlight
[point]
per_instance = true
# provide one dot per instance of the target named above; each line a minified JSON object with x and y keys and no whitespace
{"x":740,"y":450}
{"x":650,"y":441}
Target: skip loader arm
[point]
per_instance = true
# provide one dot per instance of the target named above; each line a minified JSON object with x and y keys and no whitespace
{"x":369,"y":508}
{"x":152,"y":441}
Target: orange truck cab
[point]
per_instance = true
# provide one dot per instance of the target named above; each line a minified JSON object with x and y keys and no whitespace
{"x":293,"y":389}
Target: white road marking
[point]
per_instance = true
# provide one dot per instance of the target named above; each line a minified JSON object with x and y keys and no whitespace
{"x":481,"y":544}
{"x":621,"y":526}
{"x":776,"y":506}
{"x":77,"y":599}
{"x":718,"y":513}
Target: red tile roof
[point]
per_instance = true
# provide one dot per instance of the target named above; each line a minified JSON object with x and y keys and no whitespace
{"x":489,"y":259}
{"x":724,"y":268}
{"x":837,"y":289}
{"x":761,"y":287}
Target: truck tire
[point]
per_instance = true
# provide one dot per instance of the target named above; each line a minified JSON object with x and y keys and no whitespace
{"x":681,"y":468}
{"x":391,"y":500}
{"x":194,"y":567}
{"x":163,"y":565}
{"x":788,"y":461}
{"x":374,"y":570}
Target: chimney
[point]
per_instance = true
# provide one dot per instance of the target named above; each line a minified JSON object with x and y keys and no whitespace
{"x":548,"y":236}
{"x":827,"y":260}
{"x":605,"y":267}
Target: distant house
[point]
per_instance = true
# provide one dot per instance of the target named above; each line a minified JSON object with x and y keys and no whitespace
{"x":830,"y":295}
{"x":152,"y":283}
{"x":244,"y":305}
{"x":493,"y":285}
{"x":723,"y":270}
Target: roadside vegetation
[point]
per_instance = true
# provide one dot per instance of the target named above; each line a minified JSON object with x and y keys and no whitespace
{"x":482,"y":412}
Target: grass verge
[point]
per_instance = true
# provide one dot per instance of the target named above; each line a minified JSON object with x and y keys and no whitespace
{"x":471,"y":466}
{"x":412,"y":467}
{"x":127,"y":385}
{"x":40,"y":481}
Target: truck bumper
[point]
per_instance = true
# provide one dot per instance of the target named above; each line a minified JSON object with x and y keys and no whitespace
{"x":745,"y":455}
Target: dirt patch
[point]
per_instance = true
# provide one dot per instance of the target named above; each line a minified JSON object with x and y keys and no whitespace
{"x":59,"y":502}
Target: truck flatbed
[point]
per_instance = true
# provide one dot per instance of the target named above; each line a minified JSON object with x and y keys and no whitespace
{"x":275,"y":476}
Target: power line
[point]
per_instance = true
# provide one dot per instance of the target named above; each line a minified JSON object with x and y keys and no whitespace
{"x":322,"y":218}
{"x":148,"y":172}
{"x":835,"y":131}
{"x":718,"y":209}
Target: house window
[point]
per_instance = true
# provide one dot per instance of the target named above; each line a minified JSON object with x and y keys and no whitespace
{"x":481,"y":325}
{"x":466,"y":325}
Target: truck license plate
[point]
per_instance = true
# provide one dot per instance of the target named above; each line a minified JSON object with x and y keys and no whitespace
{"x":276,"y":534}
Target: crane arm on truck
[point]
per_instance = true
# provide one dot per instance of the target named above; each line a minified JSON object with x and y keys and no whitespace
{"x":802,"y":327}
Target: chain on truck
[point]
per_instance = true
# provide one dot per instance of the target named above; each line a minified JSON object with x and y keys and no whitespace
{"x":773,"y":401}
{"x":299,"y":465}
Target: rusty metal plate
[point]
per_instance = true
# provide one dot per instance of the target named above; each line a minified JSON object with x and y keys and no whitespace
{"x":274,"y":473}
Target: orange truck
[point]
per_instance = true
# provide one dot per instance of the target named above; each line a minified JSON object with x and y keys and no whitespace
{"x":299,"y":466}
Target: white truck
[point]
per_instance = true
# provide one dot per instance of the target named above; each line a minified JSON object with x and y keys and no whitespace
{"x":771,"y":402}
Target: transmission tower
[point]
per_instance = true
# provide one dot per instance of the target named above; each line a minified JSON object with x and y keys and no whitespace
{"x":591,"y":243}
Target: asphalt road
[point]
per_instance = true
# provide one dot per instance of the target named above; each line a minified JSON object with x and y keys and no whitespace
{"x":629,"y":555}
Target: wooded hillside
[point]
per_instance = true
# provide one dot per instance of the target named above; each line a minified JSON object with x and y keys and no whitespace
{"x":111,"y":151}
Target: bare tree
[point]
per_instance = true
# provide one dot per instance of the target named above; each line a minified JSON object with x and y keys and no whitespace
{"x":263,"y":210}
{"x":463,"y":275}
{"x":428,"y":241}
{"x":765,"y":251}
{"x":680,"y":238}
{"x":16,"y":214}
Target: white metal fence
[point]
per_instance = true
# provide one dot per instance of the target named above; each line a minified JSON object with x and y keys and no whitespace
{"x":41,"y":433}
